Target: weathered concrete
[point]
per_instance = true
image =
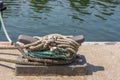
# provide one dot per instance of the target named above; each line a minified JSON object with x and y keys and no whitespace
{"x":103,"y":64}
{"x":78,"y":67}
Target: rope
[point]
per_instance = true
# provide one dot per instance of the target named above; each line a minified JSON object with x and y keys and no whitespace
{"x":8,"y":47}
{"x":53,"y":46}
{"x":4,"y":29}
{"x":38,"y":62}
{"x":50,"y":42}
{"x":56,"y":43}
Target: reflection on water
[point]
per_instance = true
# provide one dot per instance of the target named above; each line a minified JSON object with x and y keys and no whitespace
{"x":39,"y":5}
{"x":13,"y":10}
{"x":98,"y":8}
{"x":69,"y":17}
{"x":79,"y":8}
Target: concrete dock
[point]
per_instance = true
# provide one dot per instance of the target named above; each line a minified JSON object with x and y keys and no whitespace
{"x":103,"y":63}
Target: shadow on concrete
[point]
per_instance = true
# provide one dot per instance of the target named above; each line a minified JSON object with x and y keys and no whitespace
{"x":7,"y":66}
{"x":92,"y":68}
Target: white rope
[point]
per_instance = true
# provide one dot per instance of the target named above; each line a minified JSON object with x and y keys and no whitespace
{"x":4,"y":29}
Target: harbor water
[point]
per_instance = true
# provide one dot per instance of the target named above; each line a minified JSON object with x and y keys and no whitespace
{"x":97,"y":20}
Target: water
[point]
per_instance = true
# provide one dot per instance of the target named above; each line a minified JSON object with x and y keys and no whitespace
{"x":97,"y":20}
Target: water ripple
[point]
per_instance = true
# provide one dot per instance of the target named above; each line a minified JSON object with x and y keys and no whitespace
{"x":92,"y":18}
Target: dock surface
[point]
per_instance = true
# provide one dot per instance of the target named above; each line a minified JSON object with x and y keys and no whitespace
{"x":103,"y":64}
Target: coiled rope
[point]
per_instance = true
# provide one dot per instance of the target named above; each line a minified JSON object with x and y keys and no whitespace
{"x":4,"y":28}
{"x":56,"y":44}
{"x":51,"y":41}
{"x":48,"y":42}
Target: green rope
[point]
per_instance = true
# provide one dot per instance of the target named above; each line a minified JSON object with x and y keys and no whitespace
{"x":57,"y":54}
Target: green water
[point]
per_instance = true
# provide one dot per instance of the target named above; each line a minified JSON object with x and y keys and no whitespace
{"x":97,"y":20}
